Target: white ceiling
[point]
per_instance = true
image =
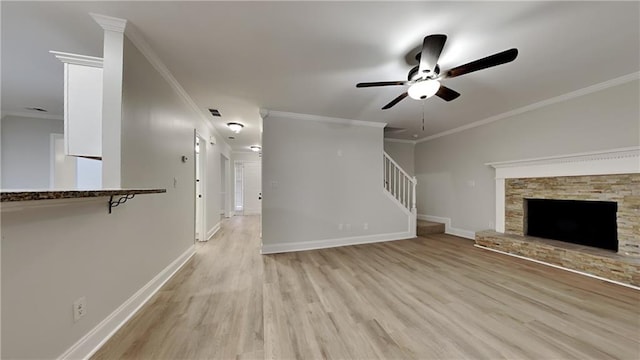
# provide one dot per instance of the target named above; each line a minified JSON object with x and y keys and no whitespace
{"x":306,"y":57}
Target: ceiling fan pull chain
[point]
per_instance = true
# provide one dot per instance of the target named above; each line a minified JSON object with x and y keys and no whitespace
{"x":423,"y":116}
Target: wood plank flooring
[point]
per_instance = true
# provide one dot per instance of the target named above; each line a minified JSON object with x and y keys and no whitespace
{"x":436,"y":297}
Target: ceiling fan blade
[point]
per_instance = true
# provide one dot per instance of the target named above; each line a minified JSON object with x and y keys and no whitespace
{"x":487,"y":62}
{"x":447,"y":94}
{"x":382,"y":83}
{"x":395,"y":101}
{"x":431,"y":49}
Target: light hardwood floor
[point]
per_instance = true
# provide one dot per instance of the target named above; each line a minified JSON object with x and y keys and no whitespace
{"x":436,"y":297}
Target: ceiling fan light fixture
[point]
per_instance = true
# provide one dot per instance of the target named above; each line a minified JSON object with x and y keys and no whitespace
{"x":424,"y":89}
{"x":235,"y":127}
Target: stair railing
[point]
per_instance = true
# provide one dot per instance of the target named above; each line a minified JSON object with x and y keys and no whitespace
{"x":398,"y":183}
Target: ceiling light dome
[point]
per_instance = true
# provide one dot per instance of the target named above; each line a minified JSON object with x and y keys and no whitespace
{"x":424,"y":89}
{"x":235,"y":127}
{"x":255,"y":148}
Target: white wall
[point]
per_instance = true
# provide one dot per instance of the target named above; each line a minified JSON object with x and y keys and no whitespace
{"x":453,"y":181}
{"x":26,"y":151}
{"x":317,"y":175}
{"x":402,"y":153}
{"x":53,"y":255}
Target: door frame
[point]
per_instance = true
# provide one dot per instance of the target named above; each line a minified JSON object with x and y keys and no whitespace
{"x":201,"y":162}
{"x":244,"y":162}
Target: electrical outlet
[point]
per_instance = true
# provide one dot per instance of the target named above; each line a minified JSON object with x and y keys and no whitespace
{"x":339,"y":226}
{"x":79,"y":308}
{"x":365,"y":226}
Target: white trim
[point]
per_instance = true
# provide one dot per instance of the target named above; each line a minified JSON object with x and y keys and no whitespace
{"x":77,"y":59}
{"x":34,"y":115}
{"x":448,"y":229}
{"x":559,"y":267}
{"x":500,"y":208}
{"x":564,"y":97}
{"x":603,"y":162}
{"x":141,"y":44}
{"x":308,"y":117}
{"x":109,"y":23}
{"x":94,"y":339}
{"x":397,"y":202}
{"x":331,"y":243}
{"x":213,"y":231}
{"x":609,"y":154}
{"x":401,"y":141}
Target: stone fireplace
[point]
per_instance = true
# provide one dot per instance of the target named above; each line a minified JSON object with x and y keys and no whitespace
{"x":610,"y":178}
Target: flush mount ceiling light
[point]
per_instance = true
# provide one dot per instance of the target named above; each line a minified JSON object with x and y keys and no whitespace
{"x":255,"y":148}
{"x":235,"y":127}
{"x":424,"y":89}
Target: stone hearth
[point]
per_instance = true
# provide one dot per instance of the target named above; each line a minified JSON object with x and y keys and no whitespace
{"x":621,"y":188}
{"x":604,"y":176}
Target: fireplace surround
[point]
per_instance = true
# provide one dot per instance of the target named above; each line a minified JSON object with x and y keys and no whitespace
{"x":611,"y":176}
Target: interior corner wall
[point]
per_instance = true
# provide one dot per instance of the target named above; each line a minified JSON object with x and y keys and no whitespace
{"x":401,"y":153}
{"x":454,"y":183}
{"x":318,"y":175}
{"x":25,"y":147}
{"x":52,"y":256}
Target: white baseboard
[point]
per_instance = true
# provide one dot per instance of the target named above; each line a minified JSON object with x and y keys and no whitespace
{"x":559,"y":267}
{"x":94,"y":339}
{"x":330,"y":243}
{"x":213,"y":231}
{"x":448,"y":229}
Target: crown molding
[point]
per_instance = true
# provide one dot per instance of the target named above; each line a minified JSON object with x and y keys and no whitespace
{"x":610,"y":154}
{"x":141,"y":44}
{"x":69,"y":58}
{"x":401,"y":141}
{"x":308,"y":117}
{"x":109,"y":23}
{"x":568,"y":96}
{"x":34,"y":115}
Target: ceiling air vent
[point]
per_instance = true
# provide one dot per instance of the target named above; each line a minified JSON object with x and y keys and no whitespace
{"x":215,"y":112}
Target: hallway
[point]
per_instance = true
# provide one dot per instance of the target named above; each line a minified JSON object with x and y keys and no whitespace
{"x":432,"y":297}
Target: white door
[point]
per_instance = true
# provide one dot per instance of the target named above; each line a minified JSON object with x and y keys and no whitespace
{"x":199,"y":186}
{"x":252,"y":183}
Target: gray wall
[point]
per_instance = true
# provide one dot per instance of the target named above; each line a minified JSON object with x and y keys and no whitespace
{"x":53,"y":255}
{"x":453,"y":181}
{"x":26,"y":151}
{"x":401,"y":153}
{"x":309,"y":188}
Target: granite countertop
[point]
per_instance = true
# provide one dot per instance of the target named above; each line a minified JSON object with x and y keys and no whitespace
{"x":30,"y":195}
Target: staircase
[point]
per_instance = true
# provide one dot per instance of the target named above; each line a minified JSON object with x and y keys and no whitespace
{"x":425,"y":228}
{"x":401,"y":188}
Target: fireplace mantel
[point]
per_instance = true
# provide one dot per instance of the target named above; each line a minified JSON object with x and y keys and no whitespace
{"x":605,"y":162}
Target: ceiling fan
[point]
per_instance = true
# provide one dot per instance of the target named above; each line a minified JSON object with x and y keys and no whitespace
{"x":424,"y":79}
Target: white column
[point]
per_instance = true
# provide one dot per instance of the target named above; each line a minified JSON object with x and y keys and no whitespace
{"x":500,"y":205}
{"x":112,"y":98}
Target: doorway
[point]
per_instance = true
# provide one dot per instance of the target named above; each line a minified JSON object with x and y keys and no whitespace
{"x":224,"y":187}
{"x":252,"y":188}
{"x":200,"y":155}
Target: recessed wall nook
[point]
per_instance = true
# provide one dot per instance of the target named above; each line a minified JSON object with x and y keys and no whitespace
{"x":590,"y":220}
